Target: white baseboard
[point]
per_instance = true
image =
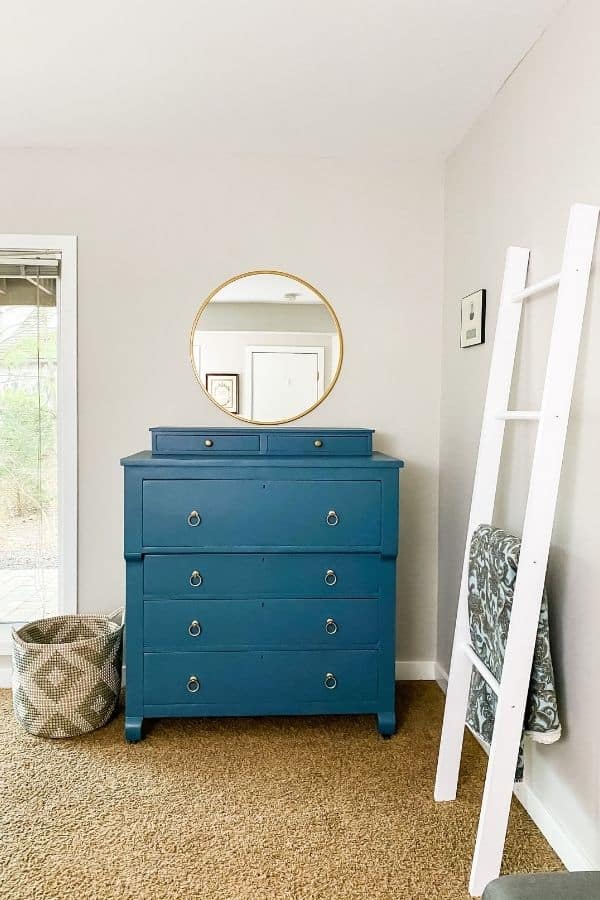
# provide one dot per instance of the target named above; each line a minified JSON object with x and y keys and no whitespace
{"x":572,"y":857}
{"x":406,"y":670}
{"x":5,"y":671}
{"x":415,"y":670}
{"x":441,"y":677}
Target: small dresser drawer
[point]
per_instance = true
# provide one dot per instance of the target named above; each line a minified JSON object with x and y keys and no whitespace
{"x":222,"y":513}
{"x":257,"y":576}
{"x":175,"y":443}
{"x":262,"y":441}
{"x":229,"y":624}
{"x":309,"y":676}
{"x":314,"y":443}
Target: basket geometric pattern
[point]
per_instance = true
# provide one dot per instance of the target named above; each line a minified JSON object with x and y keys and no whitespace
{"x":67,"y":673}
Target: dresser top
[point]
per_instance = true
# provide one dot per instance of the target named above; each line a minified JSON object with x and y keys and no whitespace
{"x":250,"y":429}
{"x":146,"y":458}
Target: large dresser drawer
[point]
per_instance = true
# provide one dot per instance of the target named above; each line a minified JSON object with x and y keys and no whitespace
{"x":230,"y":624}
{"x":226,"y":513}
{"x":255,"y":575}
{"x":273,"y":675}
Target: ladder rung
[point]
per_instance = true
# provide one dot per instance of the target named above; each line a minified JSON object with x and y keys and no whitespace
{"x":536,"y":288}
{"x":481,"y":668}
{"x":527,"y":415}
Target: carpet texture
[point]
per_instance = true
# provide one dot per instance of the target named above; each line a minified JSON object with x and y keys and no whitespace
{"x":235,"y":809}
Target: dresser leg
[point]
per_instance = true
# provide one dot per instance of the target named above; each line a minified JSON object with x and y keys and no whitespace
{"x":386,"y":723}
{"x":133,"y":728}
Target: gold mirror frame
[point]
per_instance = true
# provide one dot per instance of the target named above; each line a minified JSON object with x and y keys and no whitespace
{"x":306,"y":284}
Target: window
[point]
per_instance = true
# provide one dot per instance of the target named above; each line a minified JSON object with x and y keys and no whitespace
{"x":37,"y":430}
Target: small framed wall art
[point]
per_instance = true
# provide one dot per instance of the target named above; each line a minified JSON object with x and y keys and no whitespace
{"x":224,"y":389}
{"x":472,"y":319}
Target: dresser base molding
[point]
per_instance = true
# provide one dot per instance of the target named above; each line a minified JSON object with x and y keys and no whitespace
{"x":133,"y":728}
{"x":386,"y":721}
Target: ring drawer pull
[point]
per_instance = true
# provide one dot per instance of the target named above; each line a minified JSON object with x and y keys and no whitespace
{"x":208,"y":442}
{"x":194,"y":518}
{"x":193,"y":684}
{"x":195,"y":628}
{"x":332,"y":517}
{"x":330,"y":681}
{"x":195,"y":579}
{"x":318,"y":443}
{"x":330,"y":577}
{"x":331,"y":626}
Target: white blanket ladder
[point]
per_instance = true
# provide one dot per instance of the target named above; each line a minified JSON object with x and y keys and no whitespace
{"x":551,"y":421}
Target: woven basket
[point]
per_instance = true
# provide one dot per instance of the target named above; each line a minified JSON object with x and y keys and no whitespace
{"x":67,"y":673}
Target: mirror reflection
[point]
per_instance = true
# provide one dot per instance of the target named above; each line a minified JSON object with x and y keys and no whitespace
{"x":266,"y":347}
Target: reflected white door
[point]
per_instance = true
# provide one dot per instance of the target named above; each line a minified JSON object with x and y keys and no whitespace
{"x":284,"y":381}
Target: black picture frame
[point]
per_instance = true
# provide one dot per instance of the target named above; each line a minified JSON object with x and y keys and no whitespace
{"x":473,"y":305}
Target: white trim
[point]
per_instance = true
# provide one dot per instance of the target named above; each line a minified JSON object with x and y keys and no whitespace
{"x":415,"y":670}
{"x":66,"y":245}
{"x":572,"y":857}
{"x":406,"y":670}
{"x":5,"y":670}
{"x":441,"y":677}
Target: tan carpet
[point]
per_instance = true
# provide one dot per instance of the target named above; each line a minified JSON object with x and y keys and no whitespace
{"x":244,"y":808}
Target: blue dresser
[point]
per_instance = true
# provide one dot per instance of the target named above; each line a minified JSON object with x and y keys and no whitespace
{"x":261,"y":574}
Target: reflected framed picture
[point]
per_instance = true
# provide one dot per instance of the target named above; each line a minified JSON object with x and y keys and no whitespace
{"x":224,"y":389}
{"x":472,"y":319}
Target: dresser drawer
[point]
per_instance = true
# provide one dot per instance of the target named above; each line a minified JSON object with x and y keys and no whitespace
{"x":223,"y":624}
{"x":168,"y":443}
{"x":262,"y":441}
{"x":224,"y":513}
{"x":254,"y":575}
{"x":316,"y":444}
{"x":250,"y":676}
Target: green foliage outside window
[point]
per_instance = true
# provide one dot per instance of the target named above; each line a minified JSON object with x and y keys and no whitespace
{"x":27,"y":428}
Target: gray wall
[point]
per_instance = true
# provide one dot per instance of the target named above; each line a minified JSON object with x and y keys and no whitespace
{"x":535,"y":151}
{"x":158,"y":233}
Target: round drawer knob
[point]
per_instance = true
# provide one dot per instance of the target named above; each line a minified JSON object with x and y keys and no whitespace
{"x":208,"y":442}
{"x":194,"y":518}
{"x":331,"y":626}
{"x":195,"y":628}
{"x":330,"y":577}
{"x":193,"y":684}
{"x":330,"y":681}
{"x":318,"y":443}
{"x":195,"y":579}
{"x":332,"y":517}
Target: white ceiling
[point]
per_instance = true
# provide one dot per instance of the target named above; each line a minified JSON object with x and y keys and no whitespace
{"x":266,"y":288}
{"x":324,"y":77}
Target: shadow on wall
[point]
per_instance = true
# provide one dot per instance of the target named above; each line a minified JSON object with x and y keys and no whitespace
{"x":416,"y":482}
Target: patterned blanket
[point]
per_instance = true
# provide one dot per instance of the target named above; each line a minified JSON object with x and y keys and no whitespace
{"x":493,"y":562}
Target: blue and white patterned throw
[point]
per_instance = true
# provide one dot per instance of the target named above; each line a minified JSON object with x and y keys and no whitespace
{"x":493,"y":564}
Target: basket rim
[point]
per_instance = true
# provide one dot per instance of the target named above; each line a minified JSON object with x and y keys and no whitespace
{"x":114,"y":629}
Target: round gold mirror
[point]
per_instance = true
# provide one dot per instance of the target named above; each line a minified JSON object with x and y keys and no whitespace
{"x":266,"y":347}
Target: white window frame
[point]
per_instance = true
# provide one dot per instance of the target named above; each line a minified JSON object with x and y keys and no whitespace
{"x":66,"y":304}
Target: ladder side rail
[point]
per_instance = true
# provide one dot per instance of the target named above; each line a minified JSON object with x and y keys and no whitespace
{"x":482,"y":508}
{"x":535,"y":545}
